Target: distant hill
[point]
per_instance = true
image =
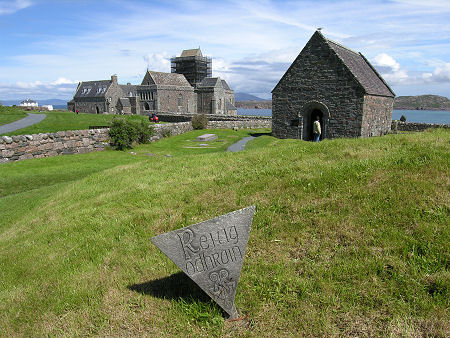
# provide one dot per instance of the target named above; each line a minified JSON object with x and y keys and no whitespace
{"x":422,"y":102}
{"x":253,"y":104}
{"x":246,"y":97}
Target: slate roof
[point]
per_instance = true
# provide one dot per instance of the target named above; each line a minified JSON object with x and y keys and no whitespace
{"x":225,"y":85}
{"x":92,"y":88}
{"x":191,"y":52}
{"x":125,"y":102}
{"x":28,"y":101}
{"x":169,"y":79}
{"x":129,"y":88}
{"x":210,"y":82}
{"x":363,"y":71}
{"x":229,"y":106}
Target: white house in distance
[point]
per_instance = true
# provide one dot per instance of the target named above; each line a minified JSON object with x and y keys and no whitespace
{"x":28,"y":103}
{"x":47,"y":107}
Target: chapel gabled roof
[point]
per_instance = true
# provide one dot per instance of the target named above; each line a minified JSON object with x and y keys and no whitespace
{"x":168,"y":79}
{"x":361,"y":69}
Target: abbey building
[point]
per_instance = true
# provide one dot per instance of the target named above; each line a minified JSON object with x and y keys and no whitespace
{"x":189,"y":88}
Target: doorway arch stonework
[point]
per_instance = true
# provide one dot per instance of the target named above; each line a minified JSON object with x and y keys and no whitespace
{"x":306,"y":113}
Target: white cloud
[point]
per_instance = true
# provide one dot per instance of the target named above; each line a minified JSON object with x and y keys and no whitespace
{"x":158,"y":62}
{"x":441,"y":73}
{"x":62,"y":80}
{"x":385,"y":60}
{"x":59,"y":89}
{"x":10,"y":7}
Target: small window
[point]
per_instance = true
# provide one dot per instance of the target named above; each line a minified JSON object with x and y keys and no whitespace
{"x":110,"y":99}
{"x":180,"y":100}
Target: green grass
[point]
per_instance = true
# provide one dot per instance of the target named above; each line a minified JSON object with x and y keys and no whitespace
{"x":11,"y":114}
{"x":59,"y":120}
{"x":350,"y":238}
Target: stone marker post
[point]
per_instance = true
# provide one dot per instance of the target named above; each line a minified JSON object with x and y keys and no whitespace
{"x":211,"y":253}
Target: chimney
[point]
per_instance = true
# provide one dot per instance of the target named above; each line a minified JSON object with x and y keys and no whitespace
{"x":114,"y":78}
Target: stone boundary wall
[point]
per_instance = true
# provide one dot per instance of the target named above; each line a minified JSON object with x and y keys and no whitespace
{"x":184,"y":117}
{"x":415,"y":126}
{"x":22,"y":147}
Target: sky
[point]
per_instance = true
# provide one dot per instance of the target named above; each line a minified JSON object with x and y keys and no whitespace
{"x":48,"y":46}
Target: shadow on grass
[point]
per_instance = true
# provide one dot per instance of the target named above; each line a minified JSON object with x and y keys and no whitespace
{"x":175,"y":286}
{"x":261,"y":134}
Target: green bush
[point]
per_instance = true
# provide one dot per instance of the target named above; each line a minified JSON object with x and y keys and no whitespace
{"x":123,"y":133}
{"x":403,"y":118}
{"x":144,"y":132}
{"x":199,"y":121}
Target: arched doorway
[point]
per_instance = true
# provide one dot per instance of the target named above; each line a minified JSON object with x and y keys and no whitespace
{"x":146,"y":106}
{"x":309,"y":113}
{"x":97,"y":110}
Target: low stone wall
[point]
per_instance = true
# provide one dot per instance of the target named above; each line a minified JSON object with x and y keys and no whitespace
{"x":170,"y":129}
{"x":22,"y":147}
{"x":185,"y":117}
{"x":246,"y":123}
{"x":415,"y":126}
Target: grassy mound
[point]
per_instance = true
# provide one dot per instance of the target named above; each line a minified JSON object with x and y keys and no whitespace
{"x":350,"y":238}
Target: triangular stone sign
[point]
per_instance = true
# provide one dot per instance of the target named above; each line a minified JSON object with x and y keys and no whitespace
{"x":211,"y":253}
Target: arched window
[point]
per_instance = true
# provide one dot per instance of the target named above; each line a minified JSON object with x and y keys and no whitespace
{"x":180,"y":101}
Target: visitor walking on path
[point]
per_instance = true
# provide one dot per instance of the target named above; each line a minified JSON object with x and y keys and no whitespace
{"x":316,"y":130}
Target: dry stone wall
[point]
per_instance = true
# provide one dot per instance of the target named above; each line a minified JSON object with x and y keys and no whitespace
{"x":415,"y":126}
{"x":22,"y":147}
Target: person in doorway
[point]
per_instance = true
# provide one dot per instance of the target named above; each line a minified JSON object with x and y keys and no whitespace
{"x":316,"y":130}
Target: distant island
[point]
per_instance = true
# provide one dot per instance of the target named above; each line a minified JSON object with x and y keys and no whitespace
{"x":420,"y":102}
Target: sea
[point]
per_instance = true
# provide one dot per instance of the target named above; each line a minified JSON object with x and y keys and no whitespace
{"x":425,"y":116}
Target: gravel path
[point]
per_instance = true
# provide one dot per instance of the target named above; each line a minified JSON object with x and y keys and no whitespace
{"x":22,"y":123}
{"x":240,"y":145}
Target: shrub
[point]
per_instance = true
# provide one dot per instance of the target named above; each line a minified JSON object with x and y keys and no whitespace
{"x":199,"y":121}
{"x":403,"y":118}
{"x":144,"y":132}
{"x":123,"y":133}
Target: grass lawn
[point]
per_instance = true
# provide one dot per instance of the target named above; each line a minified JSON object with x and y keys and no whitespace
{"x":350,"y":238}
{"x":11,"y":114}
{"x":59,"y":120}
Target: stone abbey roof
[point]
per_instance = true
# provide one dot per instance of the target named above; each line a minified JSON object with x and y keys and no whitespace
{"x":168,"y":79}
{"x":92,"y":88}
{"x":191,"y":52}
{"x":214,"y":82}
{"x":362,"y":70}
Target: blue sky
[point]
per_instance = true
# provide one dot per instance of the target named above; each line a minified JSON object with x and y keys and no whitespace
{"x":48,"y":46}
